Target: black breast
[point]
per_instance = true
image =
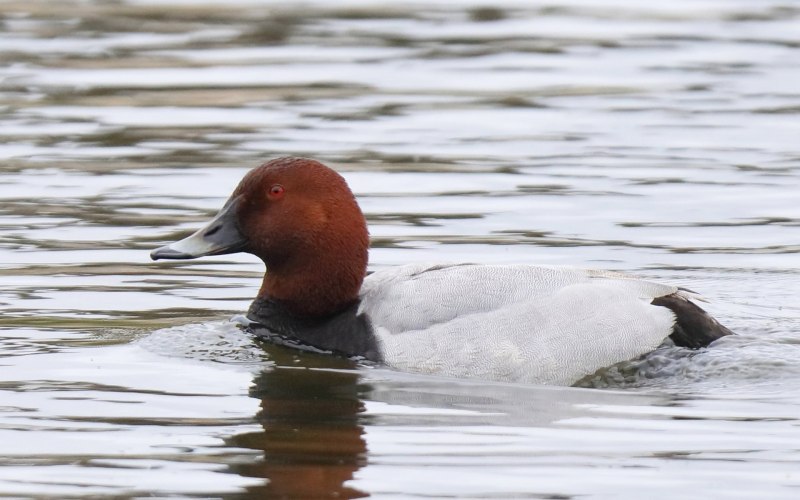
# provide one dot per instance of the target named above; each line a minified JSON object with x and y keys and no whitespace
{"x":345,"y":333}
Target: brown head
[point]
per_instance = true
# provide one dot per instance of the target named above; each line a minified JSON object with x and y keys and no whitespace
{"x":302,"y":220}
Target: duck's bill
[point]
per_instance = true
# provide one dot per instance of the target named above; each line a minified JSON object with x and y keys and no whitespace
{"x":218,"y":237}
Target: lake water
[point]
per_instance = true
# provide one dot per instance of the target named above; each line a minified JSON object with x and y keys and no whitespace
{"x":661,"y":139}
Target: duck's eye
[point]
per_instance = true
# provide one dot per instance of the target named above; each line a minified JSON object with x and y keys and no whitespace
{"x":276,"y":191}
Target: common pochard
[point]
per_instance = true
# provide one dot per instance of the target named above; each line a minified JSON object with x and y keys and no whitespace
{"x":523,"y":323}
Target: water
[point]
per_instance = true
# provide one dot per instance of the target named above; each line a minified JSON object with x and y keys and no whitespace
{"x":654,"y":139}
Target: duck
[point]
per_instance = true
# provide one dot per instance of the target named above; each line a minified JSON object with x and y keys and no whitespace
{"x":511,"y":323}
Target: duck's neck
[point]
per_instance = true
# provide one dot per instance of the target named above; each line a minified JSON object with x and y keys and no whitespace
{"x":317,"y":285}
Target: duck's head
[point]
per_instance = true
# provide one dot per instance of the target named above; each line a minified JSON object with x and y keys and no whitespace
{"x":302,"y":220}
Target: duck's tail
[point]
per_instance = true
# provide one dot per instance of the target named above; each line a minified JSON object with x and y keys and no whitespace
{"x":694,"y":328}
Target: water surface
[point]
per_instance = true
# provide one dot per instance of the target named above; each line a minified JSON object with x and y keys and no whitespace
{"x":659,"y":140}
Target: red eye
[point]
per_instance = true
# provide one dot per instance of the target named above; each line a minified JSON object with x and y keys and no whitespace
{"x":276,"y":191}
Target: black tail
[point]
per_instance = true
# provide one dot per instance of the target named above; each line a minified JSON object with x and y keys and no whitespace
{"x":694,"y":327}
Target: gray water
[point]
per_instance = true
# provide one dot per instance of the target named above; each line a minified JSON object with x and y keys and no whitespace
{"x":661,"y":139}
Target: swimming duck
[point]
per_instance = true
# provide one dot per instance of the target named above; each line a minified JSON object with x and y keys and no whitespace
{"x":522,"y":323}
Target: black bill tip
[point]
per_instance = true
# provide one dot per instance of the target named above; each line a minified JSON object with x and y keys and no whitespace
{"x":166,"y":252}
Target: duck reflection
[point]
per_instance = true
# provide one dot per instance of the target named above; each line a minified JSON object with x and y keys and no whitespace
{"x":311,"y":438}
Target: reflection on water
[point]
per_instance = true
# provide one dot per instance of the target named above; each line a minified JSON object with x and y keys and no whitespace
{"x":657,"y":139}
{"x":312,"y":439}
